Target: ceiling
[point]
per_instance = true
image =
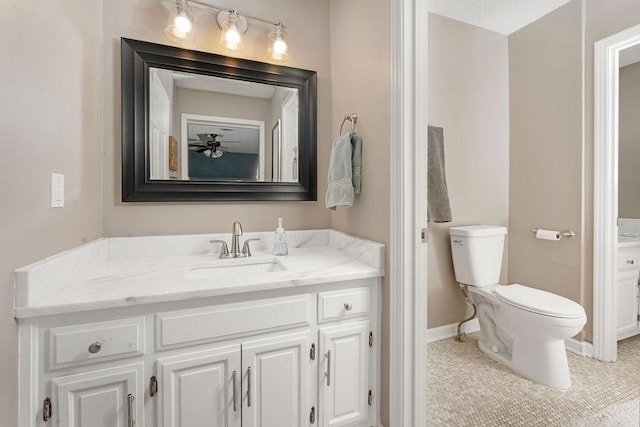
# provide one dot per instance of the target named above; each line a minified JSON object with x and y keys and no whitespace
{"x":501,"y":16}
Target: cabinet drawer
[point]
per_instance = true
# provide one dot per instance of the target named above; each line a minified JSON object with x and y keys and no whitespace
{"x":210,"y":324}
{"x":628,"y":260}
{"x":343,"y":304}
{"x":95,"y":342}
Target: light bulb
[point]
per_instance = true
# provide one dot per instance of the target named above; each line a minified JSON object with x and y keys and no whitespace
{"x":279,"y":47}
{"x":179,"y":34}
{"x":278,"y":43}
{"x":183,"y":24}
{"x":232,"y":37}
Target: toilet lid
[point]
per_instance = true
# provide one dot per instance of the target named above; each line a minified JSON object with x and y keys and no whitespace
{"x":538,"y":301}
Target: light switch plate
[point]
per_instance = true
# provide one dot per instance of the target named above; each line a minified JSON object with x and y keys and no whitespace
{"x":57,"y":190}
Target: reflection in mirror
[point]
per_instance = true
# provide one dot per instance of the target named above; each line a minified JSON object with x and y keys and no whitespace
{"x":205,"y":128}
{"x":629,"y":134}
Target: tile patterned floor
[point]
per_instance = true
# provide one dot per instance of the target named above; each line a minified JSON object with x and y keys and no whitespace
{"x":466,"y":388}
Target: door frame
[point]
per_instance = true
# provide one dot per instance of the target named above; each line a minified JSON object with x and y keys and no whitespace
{"x":605,"y":189}
{"x":408,"y":156}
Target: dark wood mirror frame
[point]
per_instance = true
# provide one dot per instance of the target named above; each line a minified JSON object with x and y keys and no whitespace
{"x":138,"y":56}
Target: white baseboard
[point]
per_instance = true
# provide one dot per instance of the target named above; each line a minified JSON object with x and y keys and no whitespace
{"x":581,"y":348}
{"x":449,"y":331}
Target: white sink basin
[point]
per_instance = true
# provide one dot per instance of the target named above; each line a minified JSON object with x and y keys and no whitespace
{"x":234,"y":267}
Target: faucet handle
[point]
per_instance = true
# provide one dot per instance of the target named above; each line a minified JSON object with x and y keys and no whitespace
{"x":246,"y":250}
{"x":224,"y":249}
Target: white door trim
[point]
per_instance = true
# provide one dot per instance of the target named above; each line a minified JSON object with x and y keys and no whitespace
{"x":407,"y":362}
{"x":605,"y":186}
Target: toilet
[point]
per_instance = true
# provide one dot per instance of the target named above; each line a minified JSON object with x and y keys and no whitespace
{"x":521,"y":327}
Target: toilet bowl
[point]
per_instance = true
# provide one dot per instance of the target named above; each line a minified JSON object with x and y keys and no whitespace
{"x":520,"y":326}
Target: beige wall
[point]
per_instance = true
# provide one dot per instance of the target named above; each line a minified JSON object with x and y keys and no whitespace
{"x":308,"y":27}
{"x":629,"y":142}
{"x":49,"y":122}
{"x":545,"y":70}
{"x":469,"y":98}
{"x":360,"y":78}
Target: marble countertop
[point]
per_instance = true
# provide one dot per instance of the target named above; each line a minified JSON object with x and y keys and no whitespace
{"x":117,"y":272}
{"x":628,"y":241}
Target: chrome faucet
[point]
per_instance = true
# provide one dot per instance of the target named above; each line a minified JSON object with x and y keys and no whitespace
{"x":235,"y":239}
{"x":235,"y":244}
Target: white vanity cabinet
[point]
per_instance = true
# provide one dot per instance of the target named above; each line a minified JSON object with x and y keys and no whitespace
{"x":628,"y":292}
{"x":286,"y":358}
{"x":276,"y":380}
{"x":344,"y":379}
{"x":345,"y":341}
{"x":257,"y":383}
{"x":100,"y":398}
{"x":158,"y":331}
{"x":200,"y":388}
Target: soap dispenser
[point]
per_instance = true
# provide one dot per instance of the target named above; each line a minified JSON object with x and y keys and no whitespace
{"x":280,"y":242}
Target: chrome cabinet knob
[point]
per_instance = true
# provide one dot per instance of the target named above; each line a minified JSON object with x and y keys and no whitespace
{"x":348,"y":306}
{"x":95,"y":347}
{"x":630,"y":261}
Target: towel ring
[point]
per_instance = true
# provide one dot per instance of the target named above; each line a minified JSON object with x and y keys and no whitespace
{"x":353,"y":118}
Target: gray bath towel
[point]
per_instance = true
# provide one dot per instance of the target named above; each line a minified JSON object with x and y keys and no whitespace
{"x":438,"y":208}
{"x":345,"y":171}
{"x":339,"y":179}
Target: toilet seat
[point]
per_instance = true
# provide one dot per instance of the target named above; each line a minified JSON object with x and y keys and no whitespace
{"x":538,"y":301}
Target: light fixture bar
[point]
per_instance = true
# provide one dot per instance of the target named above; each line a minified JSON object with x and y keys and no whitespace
{"x":220,"y":8}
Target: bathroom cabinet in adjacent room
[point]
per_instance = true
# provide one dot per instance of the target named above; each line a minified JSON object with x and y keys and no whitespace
{"x":628,"y":293}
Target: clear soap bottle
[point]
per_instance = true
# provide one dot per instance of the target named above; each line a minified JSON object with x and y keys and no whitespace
{"x":280,"y":242}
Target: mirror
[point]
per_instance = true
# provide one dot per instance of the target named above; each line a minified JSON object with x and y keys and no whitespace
{"x":200,"y":126}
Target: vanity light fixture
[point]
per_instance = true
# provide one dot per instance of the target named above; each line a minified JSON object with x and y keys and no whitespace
{"x":232,"y":23}
{"x":180,"y":22}
{"x":233,"y":26}
{"x":278,"y":43}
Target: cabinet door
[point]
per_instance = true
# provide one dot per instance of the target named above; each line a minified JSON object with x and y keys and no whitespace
{"x":200,"y":389}
{"x":627,"y":304}
{"x":344,"y":368}
{"x":276,"y":374}
{"x":111,"y":397}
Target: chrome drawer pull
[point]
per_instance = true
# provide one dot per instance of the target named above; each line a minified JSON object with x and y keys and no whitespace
{"x":235,"y":405}
{"x":630,"y":261}
{"x":249,"y":387}
{"x":95,"y":347}
{"x":348,"y":306}
{"x":131,"y":421}
{"x":329,"y":368}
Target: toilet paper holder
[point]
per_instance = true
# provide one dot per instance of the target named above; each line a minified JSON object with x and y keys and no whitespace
{"x":568,"y":234}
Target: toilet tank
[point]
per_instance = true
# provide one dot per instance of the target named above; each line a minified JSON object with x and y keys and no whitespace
{"x":477,"y":253}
